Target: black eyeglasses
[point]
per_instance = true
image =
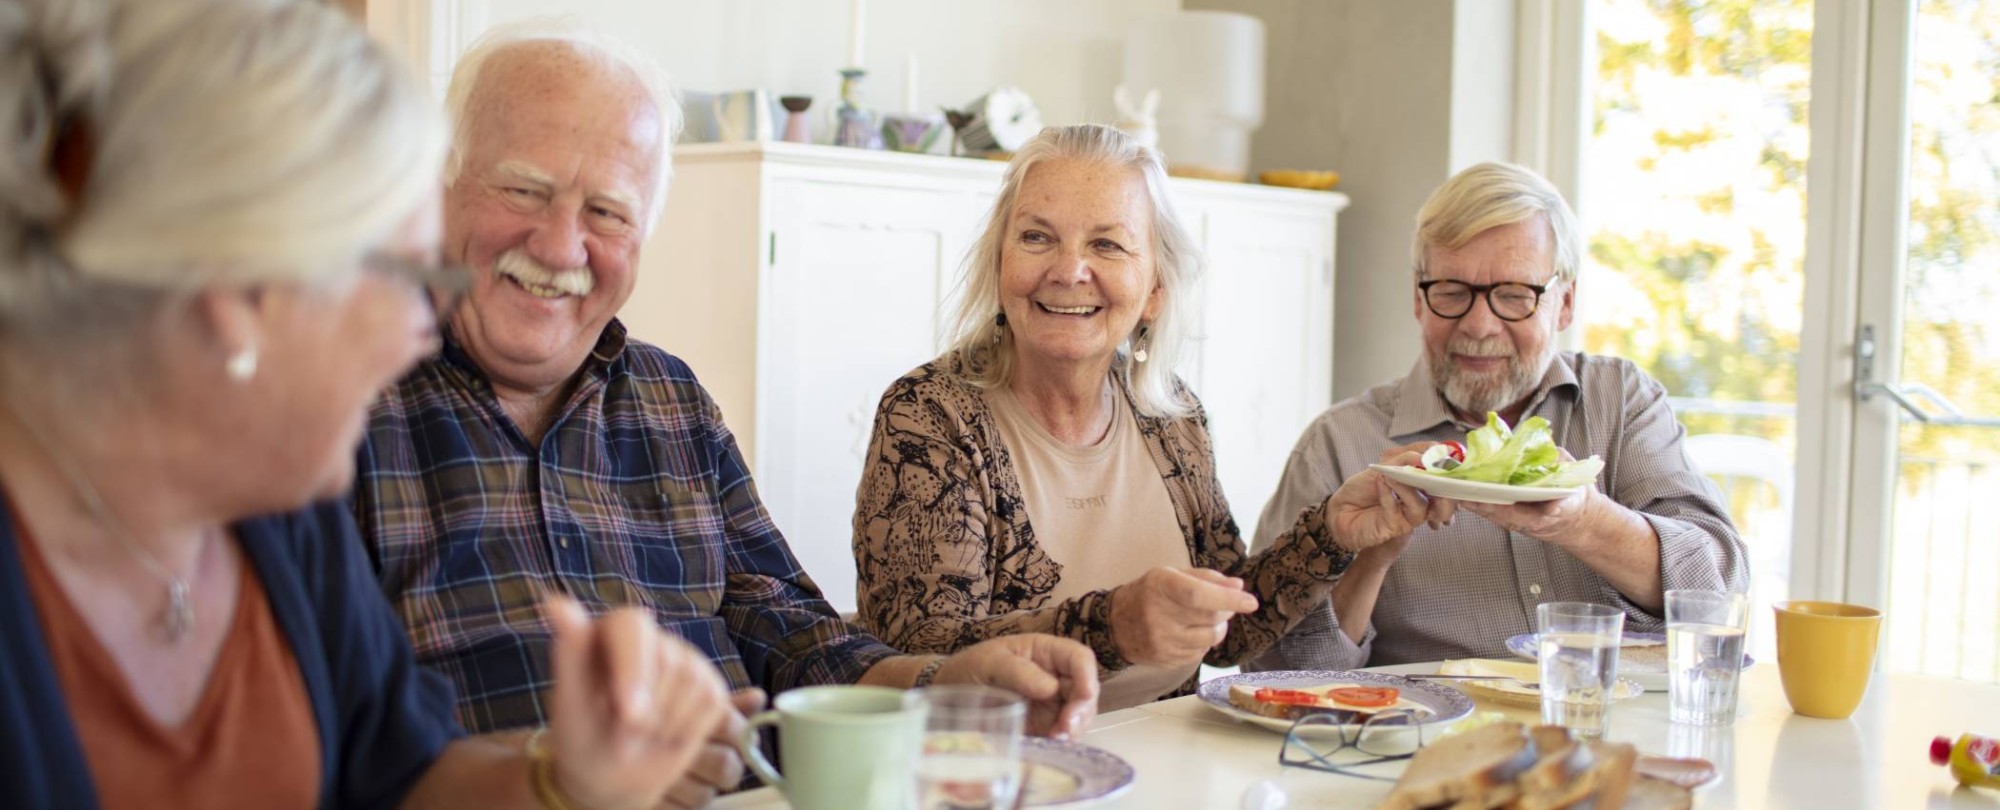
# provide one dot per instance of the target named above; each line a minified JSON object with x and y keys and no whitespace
{"x":444,"y":283}
{"x":1389,"y":736}
{"x":1510,"y":300}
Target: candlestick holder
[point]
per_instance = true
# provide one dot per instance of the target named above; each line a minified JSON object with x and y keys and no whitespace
{"x":857,"y":126}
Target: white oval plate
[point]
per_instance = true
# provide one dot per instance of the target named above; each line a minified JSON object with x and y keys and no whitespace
{"x":1475,"y":491}
{"x":1446,"y":705}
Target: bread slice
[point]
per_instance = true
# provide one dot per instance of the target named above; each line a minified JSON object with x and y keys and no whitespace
{"x":1648,"y":793}
{"x":1598,"y":773}
{"x":1559,"y":759}
{"x":1463,"y":767}
{"x":1649,"y":658}
{"x":1687,"y":772}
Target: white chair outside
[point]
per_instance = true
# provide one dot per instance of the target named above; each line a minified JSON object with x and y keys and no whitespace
{"x":1734,"y":462}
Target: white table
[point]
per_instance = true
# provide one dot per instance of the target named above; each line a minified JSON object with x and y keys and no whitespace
{"x":1189,"y":756}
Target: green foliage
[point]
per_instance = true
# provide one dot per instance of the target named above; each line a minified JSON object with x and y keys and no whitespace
{"x":1705,"y":104}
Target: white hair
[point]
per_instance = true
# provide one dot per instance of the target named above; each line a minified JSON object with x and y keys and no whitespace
{"x":1487,"y":196}
{"x":583,"y":40}
{"x":221,"y":142}
{"x":1177,"y":261}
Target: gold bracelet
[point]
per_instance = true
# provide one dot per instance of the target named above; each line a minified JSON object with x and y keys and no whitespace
{"x":542,"y":775}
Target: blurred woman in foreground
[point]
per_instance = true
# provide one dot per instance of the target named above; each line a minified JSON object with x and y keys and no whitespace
{"x":218,"y":234}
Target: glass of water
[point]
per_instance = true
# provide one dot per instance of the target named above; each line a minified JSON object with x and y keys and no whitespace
{"x":972,"y":747}
{"x":1704,"y":655}
{"x":1578,"y":649}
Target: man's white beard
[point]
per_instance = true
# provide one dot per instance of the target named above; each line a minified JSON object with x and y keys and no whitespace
{"x":1476,"y":394}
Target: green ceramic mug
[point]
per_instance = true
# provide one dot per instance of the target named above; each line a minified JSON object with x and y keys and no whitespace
{"x":844,"y":747}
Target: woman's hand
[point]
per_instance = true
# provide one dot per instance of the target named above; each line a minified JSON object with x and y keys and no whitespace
{"x":631,"y":706}
{"x":1057,"y":676}
{"x":1370,"y":510}
{"x":1174,"y":616}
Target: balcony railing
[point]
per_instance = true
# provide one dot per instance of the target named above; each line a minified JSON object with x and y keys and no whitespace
{"x":1943,"y":611}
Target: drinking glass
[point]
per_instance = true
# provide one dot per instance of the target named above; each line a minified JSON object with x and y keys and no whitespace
{"x":971,"y":757}
{"x":1704,"y":655}
{"x":1578,"y":648}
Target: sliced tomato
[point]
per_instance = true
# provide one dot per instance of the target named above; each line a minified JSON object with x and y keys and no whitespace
{"x":1366,"y":696}
{"x":1457,"y":451}
{"x":1287,"y":697}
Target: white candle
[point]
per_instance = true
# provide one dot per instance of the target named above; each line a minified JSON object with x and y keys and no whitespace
{"x":855,"y":26}
{"x":910,"y":83}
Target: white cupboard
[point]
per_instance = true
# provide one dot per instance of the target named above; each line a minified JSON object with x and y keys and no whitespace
{"x":800,"y":280}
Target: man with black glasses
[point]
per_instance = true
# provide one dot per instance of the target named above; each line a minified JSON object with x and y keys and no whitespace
{"x":1496,"y":256}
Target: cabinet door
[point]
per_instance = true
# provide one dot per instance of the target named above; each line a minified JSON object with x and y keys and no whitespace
{"x":850,"y":303}
{"x":1267,"y":354}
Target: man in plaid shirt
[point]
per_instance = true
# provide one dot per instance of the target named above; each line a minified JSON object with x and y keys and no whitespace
{"x":544,"y":450}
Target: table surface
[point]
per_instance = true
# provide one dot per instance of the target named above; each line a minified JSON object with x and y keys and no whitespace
{"x":1188,"y":755}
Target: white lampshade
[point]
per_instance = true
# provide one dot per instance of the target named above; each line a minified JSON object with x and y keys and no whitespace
{"x":1209,"y":69}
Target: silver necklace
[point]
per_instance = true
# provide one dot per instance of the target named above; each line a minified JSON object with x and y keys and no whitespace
{"x":180,"y":604}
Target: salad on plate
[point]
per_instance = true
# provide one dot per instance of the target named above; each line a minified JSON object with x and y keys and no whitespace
{"x":1525,"y":456}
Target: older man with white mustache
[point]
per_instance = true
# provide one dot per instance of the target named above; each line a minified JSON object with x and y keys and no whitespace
{"x":544,"y":451}
{"x":1496,"y":255}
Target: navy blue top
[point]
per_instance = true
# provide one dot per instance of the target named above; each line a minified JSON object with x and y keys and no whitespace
{"x":382,"y":719}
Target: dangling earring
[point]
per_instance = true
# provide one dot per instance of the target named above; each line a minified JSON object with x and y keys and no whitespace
{"x":242,"y":365}
{"x":999,"y":327}
{"x":1140,"y":343}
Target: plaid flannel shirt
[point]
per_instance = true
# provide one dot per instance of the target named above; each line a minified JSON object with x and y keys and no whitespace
{"x":637,"y":495}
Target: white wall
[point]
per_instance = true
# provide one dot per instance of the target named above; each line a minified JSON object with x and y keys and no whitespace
{"x":1067,"y":54}
{"x":1395,"y":96}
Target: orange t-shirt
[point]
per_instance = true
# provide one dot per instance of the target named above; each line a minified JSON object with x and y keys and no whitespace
{"x":250,"y":742}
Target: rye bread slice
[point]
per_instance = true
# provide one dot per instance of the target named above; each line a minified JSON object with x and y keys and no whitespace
{"x":1463,"y":766}
{"x":1599,"y":775}
{"x":1648,"y":793}
{"x":1614,"y":773}
{"x":1560,"y":759}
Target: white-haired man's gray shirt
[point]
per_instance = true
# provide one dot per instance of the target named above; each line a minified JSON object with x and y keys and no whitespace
{"x":1462,"y":590}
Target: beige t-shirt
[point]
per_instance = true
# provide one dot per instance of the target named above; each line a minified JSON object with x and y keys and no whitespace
{"x":1103,"y":513}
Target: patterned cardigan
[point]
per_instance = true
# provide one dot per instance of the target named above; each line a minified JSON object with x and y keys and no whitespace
{"x":947,"y":556}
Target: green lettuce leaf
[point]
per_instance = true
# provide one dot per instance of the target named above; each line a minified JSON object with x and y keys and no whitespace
{"x":1524,"y":456}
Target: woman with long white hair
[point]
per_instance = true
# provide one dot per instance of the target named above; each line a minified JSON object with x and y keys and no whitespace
{"x":1051,"y":473}
{"x":218,"y":241}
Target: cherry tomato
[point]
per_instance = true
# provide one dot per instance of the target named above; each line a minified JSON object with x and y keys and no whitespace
{"x":1366,"y":696}
{"x":1457,"y":451}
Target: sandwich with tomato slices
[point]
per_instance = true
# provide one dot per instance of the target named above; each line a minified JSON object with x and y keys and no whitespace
{"x":1354,"y":702}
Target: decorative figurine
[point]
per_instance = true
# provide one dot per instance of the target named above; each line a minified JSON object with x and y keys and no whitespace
{"x":911,"y":133}
{"x":798,"y":128}
{"x":858,"y":126}
{"x":1141,"y":121}
{"x":958,"y":120}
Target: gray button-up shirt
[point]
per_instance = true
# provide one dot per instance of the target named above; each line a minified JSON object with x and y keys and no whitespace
{"x":1461,"y":591}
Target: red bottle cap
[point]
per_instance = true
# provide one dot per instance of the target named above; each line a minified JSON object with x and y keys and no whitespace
{"x":1940,"y":750}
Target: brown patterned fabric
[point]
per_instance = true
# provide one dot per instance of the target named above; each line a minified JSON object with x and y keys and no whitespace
{"x":947,"y":556}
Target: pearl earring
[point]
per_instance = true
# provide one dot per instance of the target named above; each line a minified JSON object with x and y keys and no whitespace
{"x":999,"y":327}
{"x":1139,"y":344}
{"x":242,"y":365}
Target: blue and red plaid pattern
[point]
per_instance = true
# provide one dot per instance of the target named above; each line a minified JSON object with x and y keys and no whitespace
{"x":637,"y":495}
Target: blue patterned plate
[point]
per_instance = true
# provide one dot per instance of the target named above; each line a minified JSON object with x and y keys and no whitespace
{"x":1444,"y":704}
{"x":1072,"y":775}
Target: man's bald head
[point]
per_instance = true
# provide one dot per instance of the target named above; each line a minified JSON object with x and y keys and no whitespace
{"x":544,"y":66}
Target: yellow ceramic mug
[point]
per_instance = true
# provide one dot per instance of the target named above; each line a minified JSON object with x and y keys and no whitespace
{"x":1826,"y":652}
